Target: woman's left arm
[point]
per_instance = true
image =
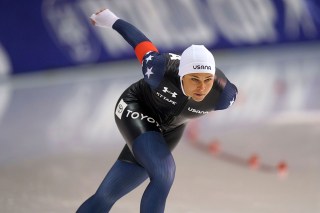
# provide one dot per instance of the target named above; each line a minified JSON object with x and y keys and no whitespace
{"x":228,"y":90}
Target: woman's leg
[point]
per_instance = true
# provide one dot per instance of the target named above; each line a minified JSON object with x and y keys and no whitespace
{"x":149,"y":148}
{"x":152,"y":152}
{"x":120,"y":180}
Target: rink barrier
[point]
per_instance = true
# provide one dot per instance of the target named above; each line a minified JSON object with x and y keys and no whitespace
{"x":64,"y":31}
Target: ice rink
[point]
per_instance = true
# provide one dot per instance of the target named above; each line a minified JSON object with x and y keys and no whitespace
{"x":58,"y":138}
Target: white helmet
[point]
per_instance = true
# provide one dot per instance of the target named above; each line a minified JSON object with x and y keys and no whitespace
{"x":196,"y":59}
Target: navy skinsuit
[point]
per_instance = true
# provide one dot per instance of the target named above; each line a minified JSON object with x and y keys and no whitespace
{"x":157,"y":102}
{"x":151,"y":115}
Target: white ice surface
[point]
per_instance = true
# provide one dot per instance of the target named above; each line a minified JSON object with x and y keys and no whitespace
{"x":58,"y":139}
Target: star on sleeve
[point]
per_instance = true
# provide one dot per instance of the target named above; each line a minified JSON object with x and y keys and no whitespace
{"x":149,"y":72}
{"x":149,"y":58}
{"x":231,"y":102}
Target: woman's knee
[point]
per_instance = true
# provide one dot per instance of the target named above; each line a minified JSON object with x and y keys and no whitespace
{"x":96,"y":203}
{"x":103,"y":200}
{"x":164,"y":173}
{"x":152,"y":152}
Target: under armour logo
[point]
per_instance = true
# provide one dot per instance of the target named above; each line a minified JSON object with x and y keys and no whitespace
{"x":165,"y":90}
{"x":174,"y":56}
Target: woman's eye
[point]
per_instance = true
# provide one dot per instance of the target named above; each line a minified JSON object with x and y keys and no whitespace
{"x":194,"y":79}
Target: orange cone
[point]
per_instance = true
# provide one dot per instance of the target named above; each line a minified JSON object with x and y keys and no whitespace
{"x":192,"y":132}
{"x":254,"y":161}
{"x":282,"y":169}
{"x":214,"y":147}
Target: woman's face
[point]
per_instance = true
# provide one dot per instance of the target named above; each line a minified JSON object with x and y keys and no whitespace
{"x":197,"y":85}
